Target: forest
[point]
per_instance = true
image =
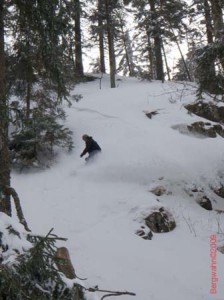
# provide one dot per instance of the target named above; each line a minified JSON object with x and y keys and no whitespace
{"x":46,"y":48}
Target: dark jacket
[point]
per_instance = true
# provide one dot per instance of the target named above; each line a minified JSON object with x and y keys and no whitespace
{"x":91,"y":146}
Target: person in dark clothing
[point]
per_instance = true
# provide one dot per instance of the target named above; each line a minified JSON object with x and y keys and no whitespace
{"x":92,"y":148}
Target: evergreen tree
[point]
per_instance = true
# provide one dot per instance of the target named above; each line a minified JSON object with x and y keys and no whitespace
{"x":208,"y":21}
{"x":156,"y":34}
{"x":98,"y":33}
{"x":101,"y":30}
{"x":39,"y":63}
{"x":123,"y":44}
{"x":209,"y":56}
{"x":217,"y":16}
{"x":157,"y":22}
{"x":34,"y":273}
{"x":189,"y":63}
{"x":5,"y":204}
{"x":109,"y":7}
{"x":78,"y":39}
{"x":106,"y":32}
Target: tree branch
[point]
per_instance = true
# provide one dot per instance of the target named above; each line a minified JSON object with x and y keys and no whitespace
{"x":111,"y":293}
{"x":9,"y":191}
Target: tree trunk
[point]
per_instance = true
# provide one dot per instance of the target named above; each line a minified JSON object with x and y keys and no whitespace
{"x":216,"y":9}
{"x":208,"y":22}
{"x":182,"y":57}
{"x":128,"y":51}
{"x":209,"y":32}
{"x":78,"y":40}
{"x":28,"y":97}
{"x":157,"y":43}
{"x":110,"y":35}
{"x":101,"y":36}
{"x":217,"y":18}
{"x":5,"y":204}
{"x":150,"y":57}
{"x":166,"y":63}
{"x":159,"y":59}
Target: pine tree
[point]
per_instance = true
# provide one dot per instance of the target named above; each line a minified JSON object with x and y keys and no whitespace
{"x":106,"y":32}
{"x":123,"y":44}
{"x":78,"y":39}
{"x":101,"y":30}
{"x":109,"y":6}
{"x":5,"y":204}
{"x":39,"y":64}
{"x":156,"y":34}
{"x":209,"y":56}
{"x":98,"y":33}
{"x":217,"y":16}
{"x":159,"y":23}
{"x":208,"y":21}
{"x":142,"y":43}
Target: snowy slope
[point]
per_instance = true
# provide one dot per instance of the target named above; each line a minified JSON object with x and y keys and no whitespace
{"x":99,"y":206}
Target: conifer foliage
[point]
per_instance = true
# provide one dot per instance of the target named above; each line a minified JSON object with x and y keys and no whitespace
{"x":33,"y":139}
{"x":205,"y":45}
{"x":33,"y":274}
{"x":39,"y":66}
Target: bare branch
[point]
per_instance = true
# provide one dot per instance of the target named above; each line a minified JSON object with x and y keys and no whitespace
{"x":9,"y":191}
{"x":111,"y":293}
{"x":118,"y":294}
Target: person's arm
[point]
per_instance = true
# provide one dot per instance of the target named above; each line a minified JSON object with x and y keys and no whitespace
{"x":85,"y":150}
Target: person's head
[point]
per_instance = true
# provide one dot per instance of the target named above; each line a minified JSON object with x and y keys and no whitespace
{"x":85,"y":137}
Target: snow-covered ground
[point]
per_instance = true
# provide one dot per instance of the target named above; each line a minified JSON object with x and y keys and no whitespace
{"x":100,"y":206}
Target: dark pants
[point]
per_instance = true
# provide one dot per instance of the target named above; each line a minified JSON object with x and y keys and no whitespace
{"x":92,"y":155}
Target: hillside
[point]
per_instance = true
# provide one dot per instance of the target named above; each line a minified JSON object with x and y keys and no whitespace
{"x":100,"y":206}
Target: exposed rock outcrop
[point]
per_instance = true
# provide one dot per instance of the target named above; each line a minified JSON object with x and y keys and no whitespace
{"x":204,"y":202}
{"x":206,"y":129}
{"x":160,"y":221}
{"x":208,"y":111}
{"x":219,"y":191}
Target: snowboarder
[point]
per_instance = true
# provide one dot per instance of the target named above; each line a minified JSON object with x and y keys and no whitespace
{"x":92,"y":148}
